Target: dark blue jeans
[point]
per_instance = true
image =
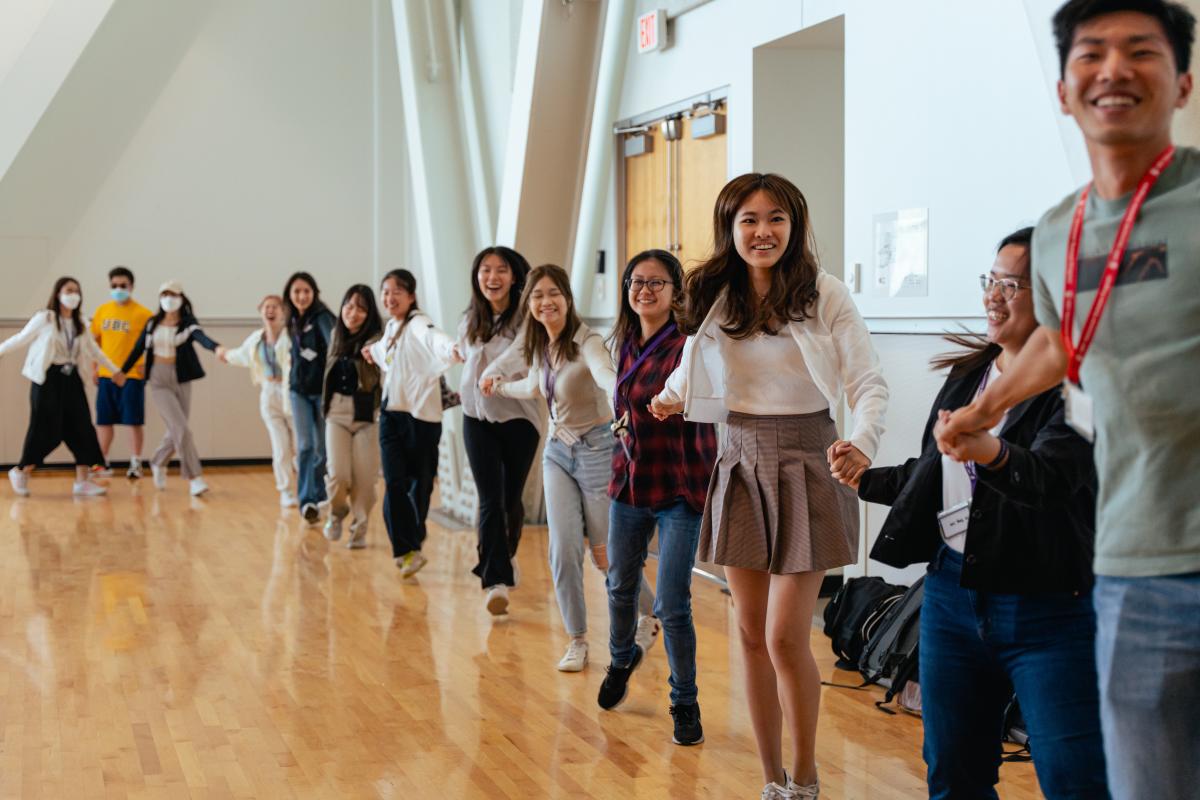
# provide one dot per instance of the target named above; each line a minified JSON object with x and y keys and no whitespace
{"x":975,"y":648}
{"x":629,"y":532}
{"x":310,"y":447}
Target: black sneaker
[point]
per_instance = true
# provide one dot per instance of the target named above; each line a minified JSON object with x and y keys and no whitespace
{"x":311,"y":513}
{"x":616,"y":682}
{"x":687,"y":724}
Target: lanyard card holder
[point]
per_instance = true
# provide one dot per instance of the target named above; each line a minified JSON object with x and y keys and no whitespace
{"x":953,"y":521}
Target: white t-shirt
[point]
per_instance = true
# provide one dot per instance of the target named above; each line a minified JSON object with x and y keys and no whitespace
{"x":956,"y":481}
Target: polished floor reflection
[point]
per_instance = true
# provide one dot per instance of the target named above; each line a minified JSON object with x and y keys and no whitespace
{"x":158,"y":646}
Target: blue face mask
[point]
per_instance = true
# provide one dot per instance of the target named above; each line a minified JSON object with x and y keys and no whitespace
{"x":120,"y":295}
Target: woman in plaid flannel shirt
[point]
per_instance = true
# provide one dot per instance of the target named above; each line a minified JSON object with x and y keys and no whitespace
{"x":660,"y":474}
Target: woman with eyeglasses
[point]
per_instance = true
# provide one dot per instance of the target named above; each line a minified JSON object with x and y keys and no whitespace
{"x":1007,"y":526}
{"x":660,"y":473}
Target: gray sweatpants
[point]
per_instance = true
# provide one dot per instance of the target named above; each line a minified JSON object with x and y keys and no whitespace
{"x":174,"y":402}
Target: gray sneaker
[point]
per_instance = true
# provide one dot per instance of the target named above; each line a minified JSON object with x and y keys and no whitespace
{"x":358,"y":536}
{"x":333,"y":528}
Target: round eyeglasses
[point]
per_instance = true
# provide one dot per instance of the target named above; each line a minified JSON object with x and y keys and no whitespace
{"x":1008,"y":287}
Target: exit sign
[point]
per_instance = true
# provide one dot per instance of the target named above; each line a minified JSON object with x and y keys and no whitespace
{"x":652,"y":31}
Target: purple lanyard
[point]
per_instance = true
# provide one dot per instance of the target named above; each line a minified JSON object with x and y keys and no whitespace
{"x":627,"y":350}
{"x":972,"y":471}
{"x":549,"y":378}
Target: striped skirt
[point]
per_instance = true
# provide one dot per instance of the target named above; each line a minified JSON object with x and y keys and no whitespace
{"x":772,"y":504}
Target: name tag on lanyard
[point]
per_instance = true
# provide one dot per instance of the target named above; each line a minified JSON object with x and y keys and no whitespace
{"x":1079,"y":409}
{"x":953,"y":522}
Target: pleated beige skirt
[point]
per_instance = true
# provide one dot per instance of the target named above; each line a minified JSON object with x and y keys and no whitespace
{"x":772,"y":504}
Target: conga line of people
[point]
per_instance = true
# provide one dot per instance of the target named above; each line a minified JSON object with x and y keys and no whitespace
{"x":707,"y":417}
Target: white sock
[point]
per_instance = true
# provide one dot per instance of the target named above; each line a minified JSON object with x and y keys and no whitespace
{"x":135,"y":461}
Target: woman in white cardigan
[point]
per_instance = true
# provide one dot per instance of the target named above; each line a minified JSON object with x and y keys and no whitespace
{"x":59,"y":348}
{"x":268,"y":354}
{"x":776,"y":343}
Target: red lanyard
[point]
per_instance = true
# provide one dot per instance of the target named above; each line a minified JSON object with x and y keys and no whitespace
{"x":1075,"y":353}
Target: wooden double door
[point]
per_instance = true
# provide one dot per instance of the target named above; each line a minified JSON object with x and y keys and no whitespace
{"x":670,"y":192}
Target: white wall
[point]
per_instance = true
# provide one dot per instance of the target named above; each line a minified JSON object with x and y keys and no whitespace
{"x":943,"y":116}
{"x":799,"y":129}
{"x":240,"y":141}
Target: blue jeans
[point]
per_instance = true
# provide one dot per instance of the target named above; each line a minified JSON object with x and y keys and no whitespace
{"x":629,"y":532}
{"x":1148,"y":652}
{"x":310,"y":446}
{"x":975,"y":647}
{"x":575,"y":480}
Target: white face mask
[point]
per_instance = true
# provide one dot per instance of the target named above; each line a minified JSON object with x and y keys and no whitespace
{"x":70,"y":300}
{"x":171,"y":303}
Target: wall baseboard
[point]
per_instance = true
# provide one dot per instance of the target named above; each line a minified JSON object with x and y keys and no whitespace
{"x":207,"y":462}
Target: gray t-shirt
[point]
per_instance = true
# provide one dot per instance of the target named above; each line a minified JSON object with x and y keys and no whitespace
{"x":1143,"y":370}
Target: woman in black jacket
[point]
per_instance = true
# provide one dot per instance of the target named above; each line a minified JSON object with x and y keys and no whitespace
{"x":167,"y":340}
{"x":1008,"y":531}
{"x":310,"y":325}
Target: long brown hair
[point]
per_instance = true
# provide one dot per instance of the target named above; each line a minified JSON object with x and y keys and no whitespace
{"x":481,"y":326}
{"x":976,"y":349}
{"x":536,"y":338}
{"x":628,"y":324}
{"x":793,"y":279}
{"x":53,"y":305}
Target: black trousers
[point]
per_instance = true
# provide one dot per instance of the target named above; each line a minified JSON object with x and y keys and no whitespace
{"x":500,"y":454}
{"x":59,"y":412}
{"x":409,"y":454}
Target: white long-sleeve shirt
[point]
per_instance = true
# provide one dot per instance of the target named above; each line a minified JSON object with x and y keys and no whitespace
{"x":583,"y":388}
{"x":836,"y":348}
{"x":43,"y":338}
{"x":413,"y":363}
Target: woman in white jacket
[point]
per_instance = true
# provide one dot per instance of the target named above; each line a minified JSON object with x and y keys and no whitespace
{"x":413,"y":354}
{"x":59,"y":348}
{"x":776,"y":342}
{"x":268,"y":354}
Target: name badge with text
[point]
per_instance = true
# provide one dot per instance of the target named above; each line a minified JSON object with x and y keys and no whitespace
{"x":953,"y":521}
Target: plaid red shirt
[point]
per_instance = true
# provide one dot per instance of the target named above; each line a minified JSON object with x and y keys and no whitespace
{"x":670,"y":460}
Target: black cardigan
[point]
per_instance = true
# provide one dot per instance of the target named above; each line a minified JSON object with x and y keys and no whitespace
{"x":1032,"y":526}
{"x":187,"y":363}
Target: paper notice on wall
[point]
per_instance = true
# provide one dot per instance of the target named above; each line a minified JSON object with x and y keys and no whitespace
{"x":901,"y":254}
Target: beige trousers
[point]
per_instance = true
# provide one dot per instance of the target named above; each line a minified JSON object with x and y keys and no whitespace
{"x":352,"y":453}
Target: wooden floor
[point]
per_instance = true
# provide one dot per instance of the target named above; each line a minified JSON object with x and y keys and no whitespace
{"x":158,"y":646}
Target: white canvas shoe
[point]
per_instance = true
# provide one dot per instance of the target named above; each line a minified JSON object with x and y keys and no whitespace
{"x":575,"y":659}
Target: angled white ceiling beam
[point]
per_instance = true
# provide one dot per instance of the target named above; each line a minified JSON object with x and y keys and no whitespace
{"x":439,"y":159}
{"x":38,"y":61}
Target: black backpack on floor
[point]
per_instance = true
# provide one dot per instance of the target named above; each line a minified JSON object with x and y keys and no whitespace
{"x":854,"y":613}
{"x":890,"y":655}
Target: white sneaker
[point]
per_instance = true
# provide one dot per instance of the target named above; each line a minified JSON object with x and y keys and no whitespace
{"x":197,"y":487}
{"x":497,"y":600}
{"x":648,"y":627}
{"x":288,"y":500}
{"x":358,"y":536}
{"x":773,"y":791}
{"x":807,"y":792}
{"x":575,"y":659}
{"x":160,"y":475}
{"x":87,"y":489}
{"x":333,"y":528}
{"x":19,"y":479}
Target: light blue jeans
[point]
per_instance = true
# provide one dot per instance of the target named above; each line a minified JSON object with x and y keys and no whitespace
{"x":1148,"y":656}
{"x":575,"y":478}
